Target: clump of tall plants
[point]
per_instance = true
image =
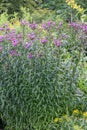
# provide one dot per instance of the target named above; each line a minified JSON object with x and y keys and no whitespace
{"x":40,"y":66}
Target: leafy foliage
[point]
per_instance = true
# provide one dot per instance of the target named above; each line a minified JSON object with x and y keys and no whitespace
{"x":12,"y":6}
{"x":62,"y":9}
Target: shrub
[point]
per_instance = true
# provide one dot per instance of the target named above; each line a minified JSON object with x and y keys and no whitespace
{"x":40,"y":66}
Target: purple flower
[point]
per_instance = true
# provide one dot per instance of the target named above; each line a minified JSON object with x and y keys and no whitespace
{"x":44,"y":26}
{"x":33,"y":26}
{"x":14,"y":42}
{"x":74,"y":25}
{"x":28,"y":44}
{"x":14,"y":53}
{"x":44,"y":41}
{"x":1,"y":29}
{"x":31,"y":36}
{"x":7,"y":29}
{"x":57,"y":42}
{"x":85,"y":28}
{"x":30,"y":56}
{"x":82,"y":27}
{"x":49,"y":23}
{"x":23,"y":22}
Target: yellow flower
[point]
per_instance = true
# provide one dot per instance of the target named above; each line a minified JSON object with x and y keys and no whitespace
{"x":85,"y":114}
{"x":69,"y":3}
{"x":81,"y":10}
{"x":74,"y":5}
{"x":56,"y":120}
{"x":76,"y":112}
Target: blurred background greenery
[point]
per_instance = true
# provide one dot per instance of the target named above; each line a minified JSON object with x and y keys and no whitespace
{"x":60,"y":7}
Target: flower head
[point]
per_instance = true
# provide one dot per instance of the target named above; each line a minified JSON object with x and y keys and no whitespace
{"x":23,"y":22}
{"x":49,"y":23}
{"x":1,"y":29}
{"x":28,"y":45}
{"x":30,"y":56}
{"x":73,"y":5}
{"x":44,"y":26}
{"x":44,"y":41}
{"x":56,"y":120}
{"x":31,"y":36}
{"x":76,"y":112}
{"x":33,"y":26}
{"x":14,"y":42}
{"x":14,"y":53}
{"x":85,"y":114}
{"x":57,"y":42}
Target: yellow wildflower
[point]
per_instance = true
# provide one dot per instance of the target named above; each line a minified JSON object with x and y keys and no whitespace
{"x":85,"y":114}
{"x":76,"y":112}
{"x":80,"y":10}
{"x":73,"y":5}
{"x":56,"y":120}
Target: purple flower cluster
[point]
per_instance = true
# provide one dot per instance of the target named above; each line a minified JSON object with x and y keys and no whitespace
{"x":79,"y":26}
{"x":30,"y":56}
{"x":33,"y":26}
{"x":48,"y":24}
{"x":84,"y":27}
{"x":2,"y":29}
{"x":38,"y":35}
{"x":44,"y":41}
{"x":14,"y":53}
{"x":14,"y":38}
{"x":28,"y":44}
{"x":57,"y":42}
{"x":74,"y":25}
{"x":23,"y":22}
{"x":31,"y":36}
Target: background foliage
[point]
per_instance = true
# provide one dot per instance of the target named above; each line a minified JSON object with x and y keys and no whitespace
{"x":59,"y":6}
{"x":12,"y":6}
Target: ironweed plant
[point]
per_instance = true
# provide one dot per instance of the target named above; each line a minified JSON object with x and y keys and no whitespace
{"x":39,"y":72}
